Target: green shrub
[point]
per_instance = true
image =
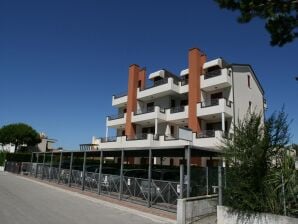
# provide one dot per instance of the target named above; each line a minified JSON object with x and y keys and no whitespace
{"x":18,"y":157}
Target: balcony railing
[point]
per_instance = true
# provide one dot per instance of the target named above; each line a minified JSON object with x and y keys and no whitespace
{"x":210,"y":103}
{"x":115,"y":117}
{"x":156,"y":83}
{"x":145,"y":111}
{"x":214,"y":102}
{"x":206,"y":134}
{"x":119,"y":95}
{"x":170,"y":137}
{"x":177,"y":109}
{"x":109,"y":139}
{"x":228,"y":103}
{"x":212,"y":74}
{"x":176,"y":81}
{"x":184,"y":82}
{"x":140,"y":136}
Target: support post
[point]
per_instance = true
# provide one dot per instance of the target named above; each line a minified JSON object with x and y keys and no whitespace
{"x":219,"y":185}
{"x":223,"y":122}
{"x":43,"y":162}
{"x":107,"y":131}
{"x":99,"y":173}
{"x":149,"y":177}
{"x":31,"y":166}
{"x":181,"y":180}
{"x":51,"y":167}
{"x":155,"y":128}
{"x":36,"y":169}
{"x":70,"y":169}
{"x":121,"y":175}
{"x":207,"y":180}
{"x":59,"y":169}
{"x":188,"y":170}
{"x":84,"y":171}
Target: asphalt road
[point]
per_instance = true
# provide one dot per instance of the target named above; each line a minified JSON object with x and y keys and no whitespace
{"x":24,"y":201}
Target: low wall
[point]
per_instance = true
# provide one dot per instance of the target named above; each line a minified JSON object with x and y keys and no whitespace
{"x":226,"y":217}
{"x":191,"y":209}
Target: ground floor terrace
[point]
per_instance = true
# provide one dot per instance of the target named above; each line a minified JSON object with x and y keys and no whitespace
{"x":137,"y":175}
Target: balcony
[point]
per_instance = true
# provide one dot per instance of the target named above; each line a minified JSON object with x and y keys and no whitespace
{"x":115,"y":121}
{"x":206,"y":139}
{"x":177,"y":113}
{"x":148,"y":115}
{"x":160,"y":88}
{"x":212,"y":108}
{"x":119,"y":99}
{"x":217,"y":79}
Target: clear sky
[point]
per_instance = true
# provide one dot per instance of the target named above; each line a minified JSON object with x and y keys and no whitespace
{"x":61,"y":61}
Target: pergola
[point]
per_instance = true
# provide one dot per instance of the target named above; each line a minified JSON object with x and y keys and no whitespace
{"x":186,"y":152}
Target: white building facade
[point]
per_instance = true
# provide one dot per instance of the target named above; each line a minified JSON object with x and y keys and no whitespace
{"x":207,"y":97}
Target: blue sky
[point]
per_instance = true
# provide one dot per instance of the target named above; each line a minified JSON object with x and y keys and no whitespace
{"x":61,"y":61}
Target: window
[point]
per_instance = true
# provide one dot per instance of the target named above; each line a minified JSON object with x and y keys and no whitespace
{"x":249,"y":105}
{"x":248,"y":81}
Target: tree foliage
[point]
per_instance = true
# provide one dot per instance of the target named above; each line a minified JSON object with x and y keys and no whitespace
{"x":2,"y":157}
{"x":281,"y":16}
{"x":260,"y":173}
{"x":19,"y":134}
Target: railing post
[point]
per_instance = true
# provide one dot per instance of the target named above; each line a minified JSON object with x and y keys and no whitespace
{"x":207,"y":180}
{"x":43,"y":162}
{"x":59,"y":169}
{"x":219,"y":185}
{"x":37,"y":158}
{"x":188,"y":170}
{"x":121,"y":175}
{"x":70,"y":169}
{"x":181,"y":180}
{"x":149,"y":177}
{"x":51,"y":166}
{"x":84,"y":170}
{"x":99,"y":173}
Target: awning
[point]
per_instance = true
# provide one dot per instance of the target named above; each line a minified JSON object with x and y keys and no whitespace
{"x":216,"y":62}
{"x":184,"y":72}
{"x":160,"y":73}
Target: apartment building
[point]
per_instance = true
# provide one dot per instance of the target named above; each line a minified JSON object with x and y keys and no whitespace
{"x":207,"y":97}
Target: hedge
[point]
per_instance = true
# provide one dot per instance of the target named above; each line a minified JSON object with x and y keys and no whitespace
{"x":18,"y":157}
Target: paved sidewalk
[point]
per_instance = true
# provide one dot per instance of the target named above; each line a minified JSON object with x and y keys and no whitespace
{"x":25,"y":200}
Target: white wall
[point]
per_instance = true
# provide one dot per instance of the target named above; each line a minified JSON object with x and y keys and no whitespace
{"x":244,"y":94}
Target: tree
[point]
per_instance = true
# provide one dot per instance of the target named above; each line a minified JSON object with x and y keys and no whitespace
{"x":260,"y":173}
{"x":281,"y":16}
{"x":19,"y":134}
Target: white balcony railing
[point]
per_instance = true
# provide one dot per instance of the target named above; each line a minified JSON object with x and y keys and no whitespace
{"x":163,"y":87}
{"x":215,"y":106}
{"x":116,"y":120}
{"x":217,"y":79}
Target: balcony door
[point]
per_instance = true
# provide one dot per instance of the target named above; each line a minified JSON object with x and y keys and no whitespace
{"x":148,"y":130}
{"x":215,"y":96}
{"x":150,"y":107}
{"x":213,"y":126}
